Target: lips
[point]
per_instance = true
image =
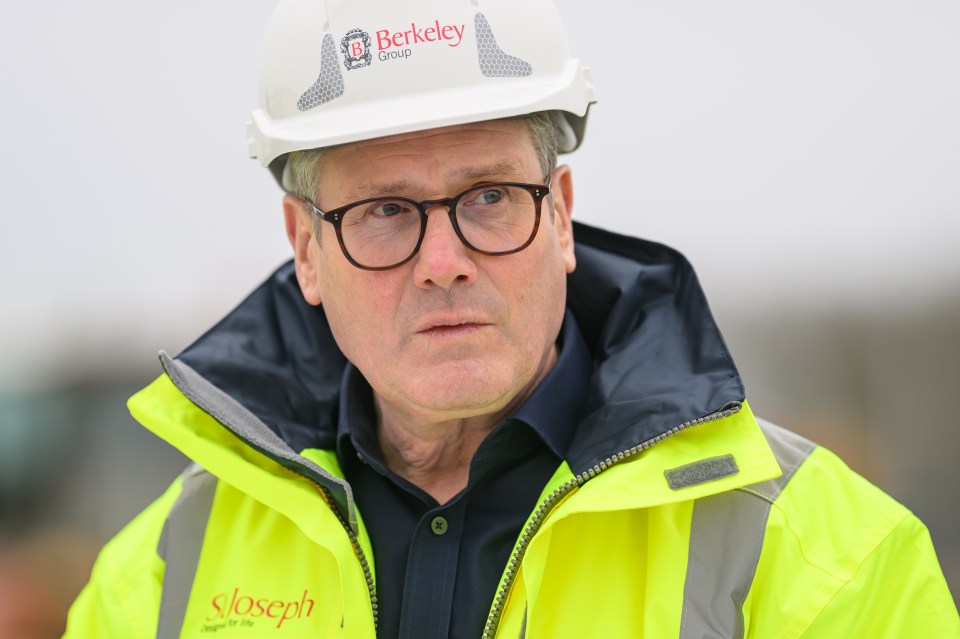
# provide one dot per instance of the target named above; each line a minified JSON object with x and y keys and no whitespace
{"x":451,"y":325}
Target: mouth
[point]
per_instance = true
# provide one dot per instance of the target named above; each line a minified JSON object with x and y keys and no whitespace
{"x":448,"y":328}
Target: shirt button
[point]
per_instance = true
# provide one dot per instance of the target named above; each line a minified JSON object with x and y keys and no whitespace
{"x":439,"y":526}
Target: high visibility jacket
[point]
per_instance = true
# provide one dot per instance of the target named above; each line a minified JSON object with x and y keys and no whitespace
{"x":676,"y":512}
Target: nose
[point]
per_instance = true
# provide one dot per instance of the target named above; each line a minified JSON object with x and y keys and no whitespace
{"x":443,"y":260}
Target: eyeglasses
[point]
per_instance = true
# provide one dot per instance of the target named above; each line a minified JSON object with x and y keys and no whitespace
{"x":385,"y":232}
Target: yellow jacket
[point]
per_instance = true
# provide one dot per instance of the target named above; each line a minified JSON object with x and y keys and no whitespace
{"x":678,"y":514}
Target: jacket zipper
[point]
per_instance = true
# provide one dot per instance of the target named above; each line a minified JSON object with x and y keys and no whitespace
{"x":324,"y":491}
{"x":355,"y":542}
{"x":546,"y":507}
{"x":541,"y":513}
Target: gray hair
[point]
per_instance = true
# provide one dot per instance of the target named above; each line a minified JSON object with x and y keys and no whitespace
{"x":302,"y":171}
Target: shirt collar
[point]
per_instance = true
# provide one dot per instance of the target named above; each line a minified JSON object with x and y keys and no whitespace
{"x":552,"y":410}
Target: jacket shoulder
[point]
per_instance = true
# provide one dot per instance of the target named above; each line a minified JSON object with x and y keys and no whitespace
{"x":837,"y":516}
{"x":840,"y":555}
{"x":122,"y":597}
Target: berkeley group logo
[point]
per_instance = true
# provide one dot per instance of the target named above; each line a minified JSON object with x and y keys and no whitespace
{"x":356,"y":49}
{"x":357,"y":46}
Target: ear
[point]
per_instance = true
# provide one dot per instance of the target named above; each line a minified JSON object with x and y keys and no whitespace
{"x":306,"y":250}
{"x":561,"y":186}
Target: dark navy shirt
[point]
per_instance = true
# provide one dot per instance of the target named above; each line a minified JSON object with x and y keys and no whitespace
{"x":438,"y":566}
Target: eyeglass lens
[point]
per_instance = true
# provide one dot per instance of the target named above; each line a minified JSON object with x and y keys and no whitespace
{"x":493,"y":218}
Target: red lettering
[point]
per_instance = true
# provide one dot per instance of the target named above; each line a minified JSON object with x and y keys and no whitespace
{"x":417,"y":36}
{"x":249,"y":606}
{"x":218,"y":601}
{"x":356,"y":49}
{"x":459,"y":33}
{"x":287,"y":615}
{"x":233,"y":602}
{"x":303,"y":601}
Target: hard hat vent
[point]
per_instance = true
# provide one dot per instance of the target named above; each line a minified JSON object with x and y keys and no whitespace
{"x":329,"y":84}
{"x":494,"y":62}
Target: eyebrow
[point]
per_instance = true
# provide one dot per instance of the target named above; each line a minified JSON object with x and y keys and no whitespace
{"x":499,"y":170}
{"x":502,"y":170}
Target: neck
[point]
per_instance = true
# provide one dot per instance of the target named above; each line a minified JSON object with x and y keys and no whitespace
{"x":433,"y":452}
{"x":435,"y":458}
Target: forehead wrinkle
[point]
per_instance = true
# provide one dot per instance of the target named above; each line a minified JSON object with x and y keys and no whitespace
{"x":503,"y":170}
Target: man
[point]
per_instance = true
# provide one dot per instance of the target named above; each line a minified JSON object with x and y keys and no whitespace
{"x":443,"y":419}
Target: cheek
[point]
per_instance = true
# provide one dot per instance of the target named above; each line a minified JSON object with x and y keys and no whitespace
{"x":360,"y":309}
{"x":539,"y":302}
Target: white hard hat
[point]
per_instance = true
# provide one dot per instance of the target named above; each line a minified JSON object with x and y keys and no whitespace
{"x":339,"y":71}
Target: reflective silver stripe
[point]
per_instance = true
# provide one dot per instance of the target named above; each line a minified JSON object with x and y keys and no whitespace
{"x":790,"y":450}
{"x":179,"y":547}
{"x":726,"y":536}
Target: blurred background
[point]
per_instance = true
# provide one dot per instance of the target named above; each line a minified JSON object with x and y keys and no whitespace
{"x":803,"y":155}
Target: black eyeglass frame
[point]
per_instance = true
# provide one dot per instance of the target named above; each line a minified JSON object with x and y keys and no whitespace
{"x":335,"y":217}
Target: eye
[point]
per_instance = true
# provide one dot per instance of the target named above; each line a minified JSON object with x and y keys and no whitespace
{"x":490,"y":196}
{"x":389,"y":208}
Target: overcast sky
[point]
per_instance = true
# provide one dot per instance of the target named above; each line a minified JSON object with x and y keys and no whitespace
{"x":800,"y":153}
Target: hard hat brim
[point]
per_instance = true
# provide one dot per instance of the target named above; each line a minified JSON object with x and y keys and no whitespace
{"x":270,"y":140}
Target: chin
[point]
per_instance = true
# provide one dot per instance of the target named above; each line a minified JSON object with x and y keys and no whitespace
{"x":465,"y":389}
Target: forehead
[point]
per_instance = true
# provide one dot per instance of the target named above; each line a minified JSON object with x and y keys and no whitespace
{"x":496,"y":149}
